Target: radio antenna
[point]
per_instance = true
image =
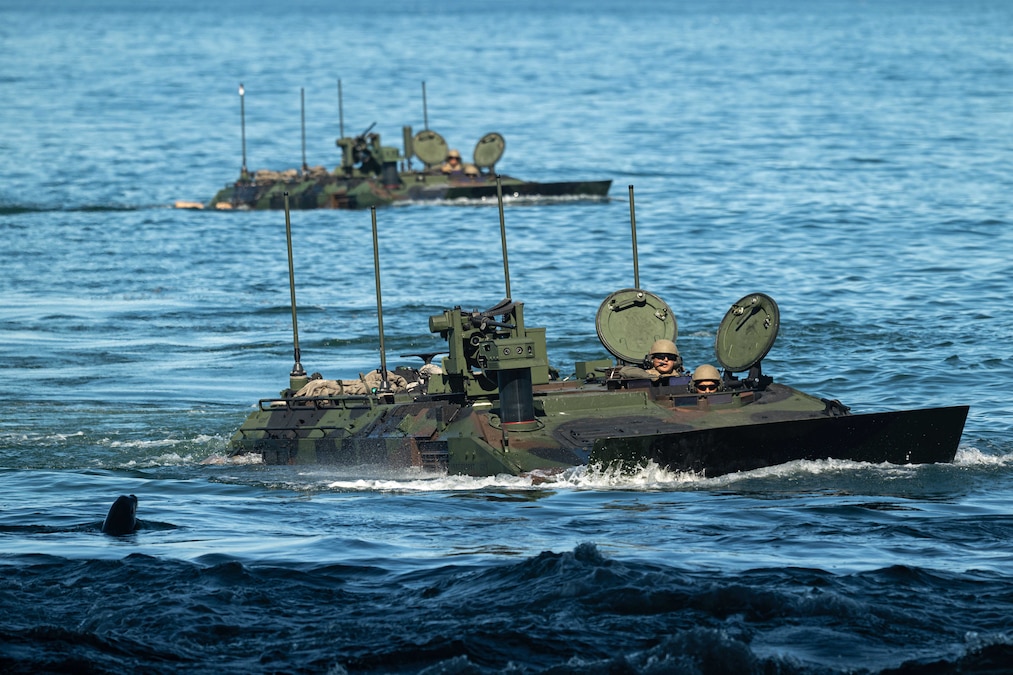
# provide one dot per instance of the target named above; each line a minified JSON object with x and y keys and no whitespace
{"x":297,"y":370}
{"x":633,"y":227}
{"x":242,"y":122}
{"x":341,"y":113}
{"x":384,"y":383}
{"x":302,"y":117}
{"x":502,"y":234}
{"x":425,"y":108}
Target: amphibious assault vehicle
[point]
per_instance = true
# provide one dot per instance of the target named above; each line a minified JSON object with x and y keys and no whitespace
{"x":494,"y":404}
{"x":372,"y":174}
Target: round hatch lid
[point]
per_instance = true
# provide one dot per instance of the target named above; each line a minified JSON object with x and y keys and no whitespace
{"x":430,"y":147}
{"x":747,"y":332}
{"x":488,"y":150}
{"x":630,"y":320}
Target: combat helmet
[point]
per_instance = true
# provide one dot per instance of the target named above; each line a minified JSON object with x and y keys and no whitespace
{"x":706,"y":372}
{"x":663,"y":347}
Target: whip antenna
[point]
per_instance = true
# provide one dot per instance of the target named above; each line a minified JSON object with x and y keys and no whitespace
{"x":302,"y":120}
{"x":384,"y":384}
{"x":341,"y":113}
{"x":633,"y":227}
{"x":242,"y":122}
{"x":297,"y":370}
{"x":502,"y":234}
{"x":425,"y":109}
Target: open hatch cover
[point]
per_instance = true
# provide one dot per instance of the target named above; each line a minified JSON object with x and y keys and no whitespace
{"x":430,"y":147}
{"x":488,"y":150}
{"x":630,"y":320}
{"x":747,"y":332}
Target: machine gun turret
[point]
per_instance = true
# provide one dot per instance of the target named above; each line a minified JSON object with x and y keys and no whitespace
{"x":478,"y":343}
{"x":356,"y":150}
{"x":363,"y":156}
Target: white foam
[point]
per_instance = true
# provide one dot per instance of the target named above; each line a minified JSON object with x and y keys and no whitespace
{"x":233,"y":460}
{"x":971,"y":456}
{"x":40,"y":439}
{"x":436,"y":483}
{"x":142,"y":444}
{"x":165,"y":459}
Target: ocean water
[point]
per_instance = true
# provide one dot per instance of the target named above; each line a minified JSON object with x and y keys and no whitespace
{"x":854,"y":160}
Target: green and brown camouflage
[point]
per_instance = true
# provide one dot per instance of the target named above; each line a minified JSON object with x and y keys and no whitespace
{"x":494,"y":405}
{"x":372,"y":174}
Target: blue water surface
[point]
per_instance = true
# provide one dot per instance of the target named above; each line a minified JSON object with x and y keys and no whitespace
{"x":852,"y":160}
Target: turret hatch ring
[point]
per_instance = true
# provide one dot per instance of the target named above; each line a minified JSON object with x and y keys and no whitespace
{"x":630,"y":320}
{"x":747,"y":332}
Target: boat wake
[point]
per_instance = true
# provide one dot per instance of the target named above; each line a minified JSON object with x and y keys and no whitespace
{"x":19,"y":209}
{"x":508,"y":200}
{"x":649,"y":477}
{"x":973,"y":457}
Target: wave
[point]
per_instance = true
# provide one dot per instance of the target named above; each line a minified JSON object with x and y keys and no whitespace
{"x":20,"y":209}
{"x":560,"y":612}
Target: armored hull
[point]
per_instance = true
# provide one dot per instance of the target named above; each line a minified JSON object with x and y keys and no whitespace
{"x":494,"y":407}
{"x":371,"y":174}
{"x":581,"y":423}
{"x":336,"y":191}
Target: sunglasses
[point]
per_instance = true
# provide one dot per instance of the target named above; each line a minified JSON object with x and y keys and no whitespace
{"x":706,"y":386}
{"x":664,"y":357}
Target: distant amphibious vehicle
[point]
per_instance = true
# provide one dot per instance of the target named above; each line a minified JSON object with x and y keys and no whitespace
{"x":372,"y":174}
{"x":494,"y":404}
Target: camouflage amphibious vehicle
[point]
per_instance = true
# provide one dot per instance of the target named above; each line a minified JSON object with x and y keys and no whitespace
{"x":372,"y":174}
{"x":494,"y":405}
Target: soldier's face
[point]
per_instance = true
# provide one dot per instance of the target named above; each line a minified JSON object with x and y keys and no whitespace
{"x":663,"y":363}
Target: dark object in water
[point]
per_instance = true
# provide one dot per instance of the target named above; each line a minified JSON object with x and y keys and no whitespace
{"x":122,"y":516}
